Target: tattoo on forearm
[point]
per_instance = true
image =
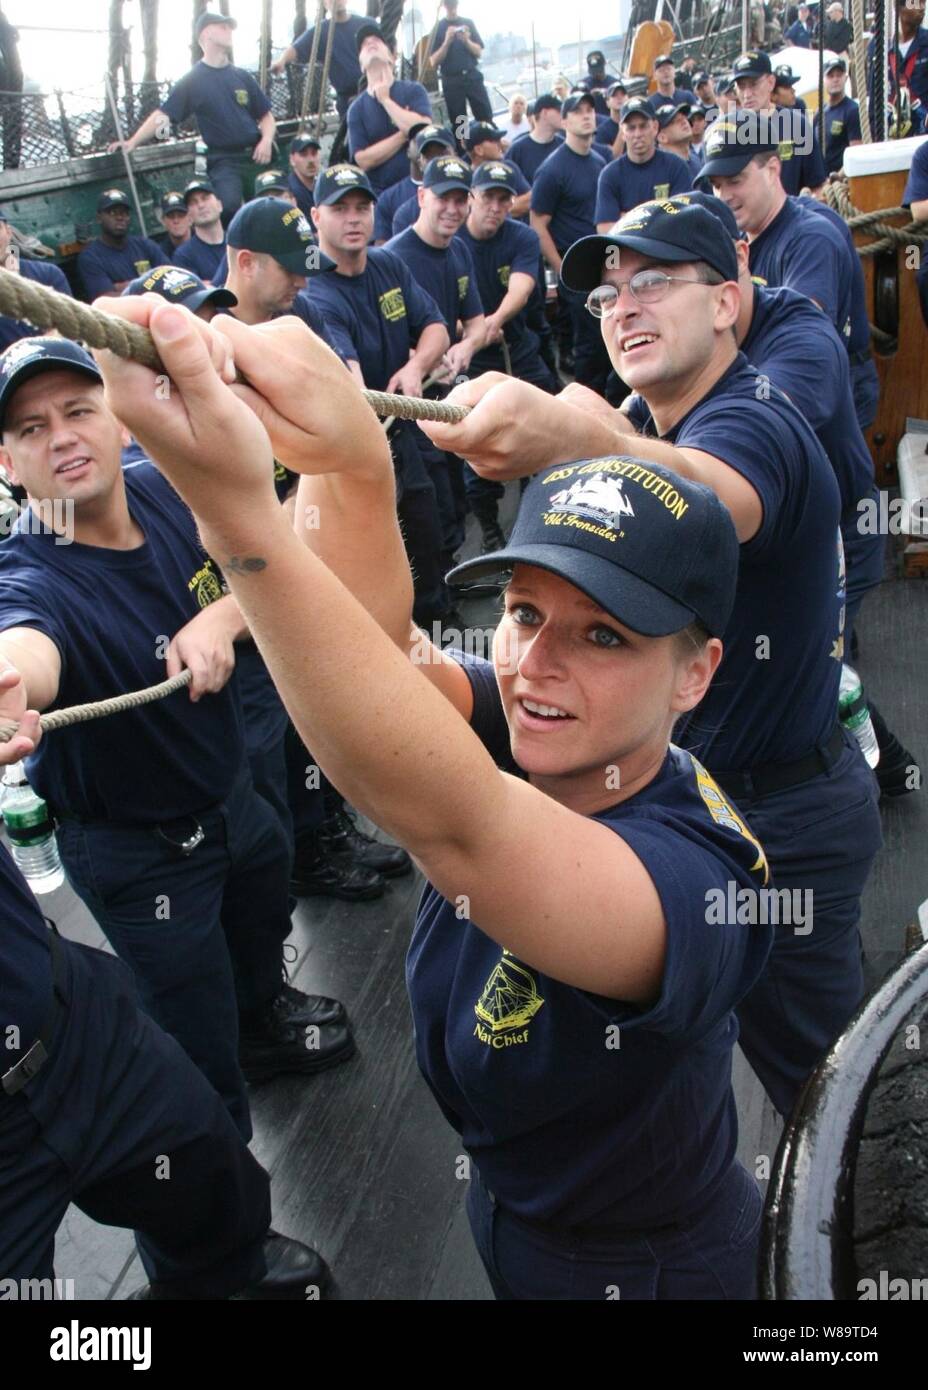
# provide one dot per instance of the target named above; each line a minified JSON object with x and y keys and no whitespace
{"x":248,"y":564}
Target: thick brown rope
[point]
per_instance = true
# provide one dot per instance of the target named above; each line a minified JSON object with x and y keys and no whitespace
{"x":44,"y":308}
{"x":311,"y":65}
{"x":79,"y":714}
{"x":874,"y":223}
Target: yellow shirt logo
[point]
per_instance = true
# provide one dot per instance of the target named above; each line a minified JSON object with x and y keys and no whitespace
{"x":662,"y":190}
{"x":392,"y":305}
{"x":508,"y":1002}
{"x":503,"y":274}
{"x":785,"y":149}
{"x":141,"y":267}
{"x":463,"y":282}
{"x":241,"y":96}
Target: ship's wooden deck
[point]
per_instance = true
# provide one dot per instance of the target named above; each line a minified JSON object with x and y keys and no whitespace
{"x":362,"y":1162}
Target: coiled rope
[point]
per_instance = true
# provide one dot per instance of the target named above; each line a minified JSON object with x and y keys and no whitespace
{"x":79,"y":714}
{"x":874,"y":223}
{"x":44,"y":308}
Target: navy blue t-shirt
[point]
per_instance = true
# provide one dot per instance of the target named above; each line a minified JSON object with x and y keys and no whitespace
{"x":858,"y":340}
{"x":11,"y":330}
{"x":842,"y":125}
{"x":25,"y":965}
{"x":787,"y":333}
{"x":227,"y":103}
{"x":344,"y":68}
{"x":607,"y":132}
{"x":101,"y":267}
{"x":459,"y":58}
{"x":202,"y":257}
{"x":447,"y":275}
{"x":406,"y":214}
{"x":369,"y":123}
{"x":772,"y":708}
{"x":514,"y":247}
{"x":529,"y":154}
{"x":575,"y":1107}
{"x":798,"y":171}
{"x":807,"y":254}
{"x":374,"y":318}
{"x":624,"y":184}
{"x":105,"y":610}
{"x":304,"y":196}
{"x":798,"y":34}
{"x":387,"y":204}
{"x":565,"y":187}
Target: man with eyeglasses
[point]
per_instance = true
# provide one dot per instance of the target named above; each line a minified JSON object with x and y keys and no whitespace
{"x":642,"y":172}
{"x":664,"y":285}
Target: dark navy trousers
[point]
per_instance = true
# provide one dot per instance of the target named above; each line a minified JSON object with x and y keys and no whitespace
{"x":121,"y":1123}
{"x":711,"y":1255}
{"x":821,"y":836}
{"x":202,"y":932}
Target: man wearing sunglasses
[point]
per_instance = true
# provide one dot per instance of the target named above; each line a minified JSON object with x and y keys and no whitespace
{"x":663,"y":283}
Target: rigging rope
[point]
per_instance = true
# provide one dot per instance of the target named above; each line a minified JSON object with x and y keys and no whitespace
{"x":874,"y":223}
{"x":45,"y":308}
{"x":79,"y":714}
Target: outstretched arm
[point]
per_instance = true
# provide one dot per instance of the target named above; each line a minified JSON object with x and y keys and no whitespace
{"x":386,"y":738}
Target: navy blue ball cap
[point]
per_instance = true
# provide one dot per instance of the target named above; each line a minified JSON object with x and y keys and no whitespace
{"x":724,"y":84}
{"x":198,"y":186}
{"x":697,"y":198}
{"x":835,"y":65}
{"x":638,"y":106}
{"x":113,"y":198}
{"x":275,"y":228}
{"x":669,"y":111}
{"x":496,"y":173}
{"x":338,"y":180}
{"x":180,"y":286}
{"x":214,"y":17}
{"x":616,"y":87}
{"x":271,"y":181}
{"x":654,"y":550}
{"x":785,"y":77}
{"x":546,"y":102}
{"x":701,"y":77}
{"x":665,"y":231}
{"x":478,"y":131}
{"x":751,"y":64}
{"x":662,"y":60}
{"x":29,"y":356}
{"x":372,"y":30}
{"x":173,"y":202}
{"x":576,"y":99}
{"x":434,"y":135}
{"x":304,"y":142}
{"x":446,"y":172}
{"x":734,"y":139}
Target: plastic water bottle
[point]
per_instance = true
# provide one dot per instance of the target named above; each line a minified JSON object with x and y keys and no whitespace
{"x":855,"y":716}
{"x":32,"y":837}
{"x":199,"y":160}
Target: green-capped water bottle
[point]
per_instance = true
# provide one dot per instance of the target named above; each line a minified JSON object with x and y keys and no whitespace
{"x":32,"y":836}
{"x":855,"y":716}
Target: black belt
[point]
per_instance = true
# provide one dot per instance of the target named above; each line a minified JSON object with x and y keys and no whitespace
{"x":777,"y":777}
{"x":859,"y":358}
{"x":35,"y":1057}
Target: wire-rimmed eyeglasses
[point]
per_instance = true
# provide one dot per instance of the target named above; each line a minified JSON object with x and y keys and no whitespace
{"x":648,"y":286}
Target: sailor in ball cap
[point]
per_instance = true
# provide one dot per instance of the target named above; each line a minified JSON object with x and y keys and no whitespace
{"x":204,"y":251}
{"x":663,"y":285}
{"x":801,"y":164}
{"x":108,"y":264}
{"x":232,"y":112}
{"x":381,"y":118}
{"x":175,"y":219}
